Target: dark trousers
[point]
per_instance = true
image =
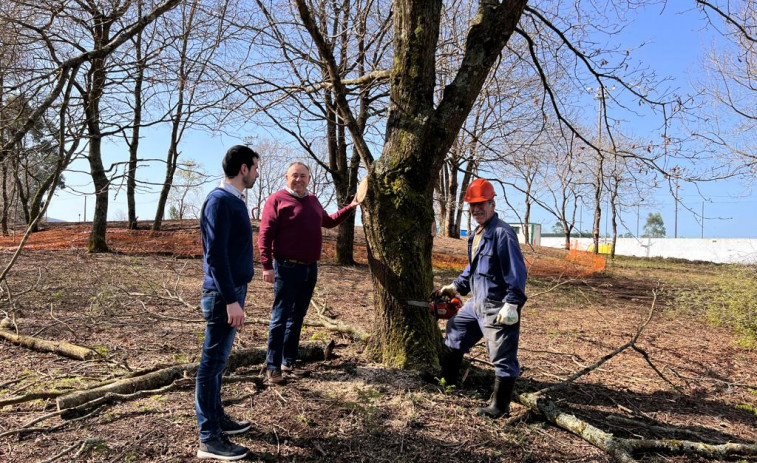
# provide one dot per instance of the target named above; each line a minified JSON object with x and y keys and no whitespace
{"x":292,"y":291}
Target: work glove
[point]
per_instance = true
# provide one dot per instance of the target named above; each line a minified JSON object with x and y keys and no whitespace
{"x":508,"y":314}
{"x":450,"y":290}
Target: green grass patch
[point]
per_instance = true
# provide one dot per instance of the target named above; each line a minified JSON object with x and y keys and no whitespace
{"x":728,"y":298}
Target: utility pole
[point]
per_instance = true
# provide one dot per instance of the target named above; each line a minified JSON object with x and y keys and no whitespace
{"x":599,"y":94}
{"x":676,"y":177}
{"x":675,"y":226}
{"x":85,"y":208}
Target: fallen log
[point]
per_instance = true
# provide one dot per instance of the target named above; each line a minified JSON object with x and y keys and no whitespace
{"x":153,"y":379}
{"x":43,"y":345}
{"x":601,"y":439}
{"x":683,"y":447}
{"x":28,"y":398}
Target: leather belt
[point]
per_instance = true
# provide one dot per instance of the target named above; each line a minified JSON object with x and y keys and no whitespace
{"x":297,"y":262}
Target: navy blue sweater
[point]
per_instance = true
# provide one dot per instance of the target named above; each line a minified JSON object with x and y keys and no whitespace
{"x":226,"y":244}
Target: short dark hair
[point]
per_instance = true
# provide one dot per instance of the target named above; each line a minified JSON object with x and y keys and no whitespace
{"x":235,"y":157}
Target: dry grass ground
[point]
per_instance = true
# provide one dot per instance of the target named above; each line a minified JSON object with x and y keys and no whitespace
{"x":129,"y":306}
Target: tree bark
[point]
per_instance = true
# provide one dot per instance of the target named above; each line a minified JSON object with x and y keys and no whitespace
{"x":601,"y":439}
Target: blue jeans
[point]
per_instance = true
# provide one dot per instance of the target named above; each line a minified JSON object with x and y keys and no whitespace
{"x":476,"y":321}
{"x":292,"y":291}
{"x":219,"y":337}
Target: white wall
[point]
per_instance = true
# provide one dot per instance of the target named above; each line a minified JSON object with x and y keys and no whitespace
{"x":718,"y":250}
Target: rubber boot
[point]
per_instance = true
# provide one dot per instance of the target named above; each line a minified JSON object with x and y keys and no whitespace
{"x":500,"y":401}
{"x":450,"y":362}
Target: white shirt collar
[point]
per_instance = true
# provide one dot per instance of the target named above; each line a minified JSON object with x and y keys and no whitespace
{"x":293,"y":193}
{"x":232,"y":189}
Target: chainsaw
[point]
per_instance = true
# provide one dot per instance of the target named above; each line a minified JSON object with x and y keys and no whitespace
{"x":442,"y":306}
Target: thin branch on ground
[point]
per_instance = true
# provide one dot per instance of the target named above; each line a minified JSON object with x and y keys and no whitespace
{"x":552,"y":288}
{"x":83,"y":445}
{"x":649,"y":362}
{"x":27,"y":428}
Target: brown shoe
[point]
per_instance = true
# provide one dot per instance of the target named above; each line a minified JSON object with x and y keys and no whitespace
{"x":275,"y":378}
{"x":294,"y":371}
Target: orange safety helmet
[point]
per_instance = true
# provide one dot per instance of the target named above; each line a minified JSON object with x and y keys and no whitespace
{"x":479,"y":190}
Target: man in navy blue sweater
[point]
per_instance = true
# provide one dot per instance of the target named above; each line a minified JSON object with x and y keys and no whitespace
{"x":227,"y":260}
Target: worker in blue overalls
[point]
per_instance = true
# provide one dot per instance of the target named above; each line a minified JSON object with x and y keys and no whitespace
{"x":496,"y":275}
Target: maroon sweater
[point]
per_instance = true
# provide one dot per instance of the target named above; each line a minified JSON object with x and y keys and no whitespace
{"x":290,"y":228}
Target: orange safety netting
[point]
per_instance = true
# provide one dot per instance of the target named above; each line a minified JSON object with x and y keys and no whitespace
{"x":184,"y":241}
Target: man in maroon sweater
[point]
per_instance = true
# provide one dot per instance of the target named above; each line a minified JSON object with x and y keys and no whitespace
{"x":290,"y":244}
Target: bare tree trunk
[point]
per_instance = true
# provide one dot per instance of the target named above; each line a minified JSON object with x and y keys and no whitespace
{"x":398,"y":210}
{"x":345,"y":239}
{"x":597,"y":204}
{"x":614,"y":206}
{"x":345,"y":171}
{"x":36,"y":202}
{"x":171,"y":163}
{"x":177,"y":121}
{"x":131,"y":175}
{"x":527,"y":214}
{"x":399,"y":255}
{"x":452,"y":216}
{"x":97,"y":240}
{"x":6,"y":206}
{"x":4,"y":168}
{"x":97,"y":75}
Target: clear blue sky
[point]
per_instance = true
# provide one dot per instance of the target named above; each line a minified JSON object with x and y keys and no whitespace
{"x":676,"y":46}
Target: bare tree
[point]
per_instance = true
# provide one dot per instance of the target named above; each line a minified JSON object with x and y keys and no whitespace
{"x":185,"y":197}
{"x":192,"y":71}
{"x":138,"y":78}
{"x":274,"y":160}
{"x":729,"y":116}
{"x":60,"y":46}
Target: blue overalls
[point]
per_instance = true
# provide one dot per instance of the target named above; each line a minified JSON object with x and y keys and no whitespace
{"x":495,"y":275}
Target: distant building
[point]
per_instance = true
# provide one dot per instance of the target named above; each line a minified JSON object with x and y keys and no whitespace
{"x":534,"y":233}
